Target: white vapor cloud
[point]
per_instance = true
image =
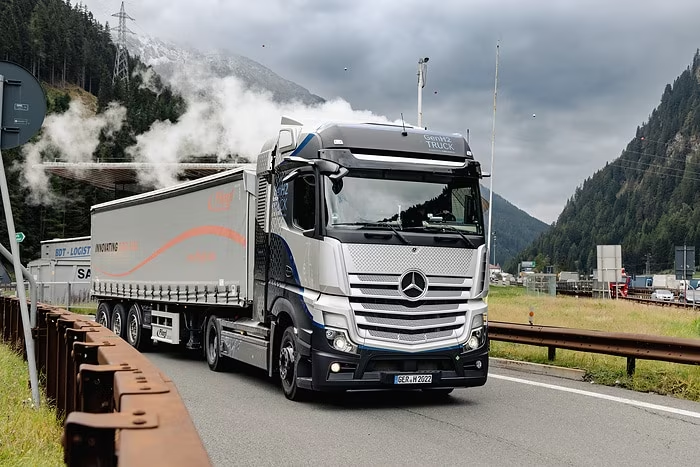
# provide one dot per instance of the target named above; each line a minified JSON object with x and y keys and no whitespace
{"x":226,"y":119}
{"x":71,"y":136}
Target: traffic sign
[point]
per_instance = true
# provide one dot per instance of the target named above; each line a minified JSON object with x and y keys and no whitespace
{"x":22,"y":107}
{"x":19,"y":236}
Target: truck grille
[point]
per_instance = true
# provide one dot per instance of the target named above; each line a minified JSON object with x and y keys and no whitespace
{"x":383,"y":312}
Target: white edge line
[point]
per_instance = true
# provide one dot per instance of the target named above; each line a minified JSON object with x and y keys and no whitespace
{"x":581,"y":392}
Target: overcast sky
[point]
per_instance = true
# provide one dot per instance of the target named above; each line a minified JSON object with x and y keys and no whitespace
{"x":591,"y":71}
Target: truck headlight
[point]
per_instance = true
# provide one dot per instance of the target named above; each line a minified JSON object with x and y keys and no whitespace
{"x":478,"y":334}
{"x":339,"y":341}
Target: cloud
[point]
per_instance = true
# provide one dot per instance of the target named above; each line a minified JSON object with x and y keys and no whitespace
{"x":225,"y":119}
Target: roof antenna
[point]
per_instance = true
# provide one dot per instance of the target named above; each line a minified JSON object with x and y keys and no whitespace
{"x":404,"y":132}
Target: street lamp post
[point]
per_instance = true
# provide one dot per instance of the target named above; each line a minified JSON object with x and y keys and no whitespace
{"x":494,"y":248}
{"x":422,"y":74}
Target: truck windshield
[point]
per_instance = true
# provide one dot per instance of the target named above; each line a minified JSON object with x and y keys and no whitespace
{"x":415,"y":205}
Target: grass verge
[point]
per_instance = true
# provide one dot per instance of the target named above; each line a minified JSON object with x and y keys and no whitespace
{"x":511,"y":304}
{"x":28,"y":437}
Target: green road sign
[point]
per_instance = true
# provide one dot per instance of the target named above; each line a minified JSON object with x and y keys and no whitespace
{"x":19,"y":236}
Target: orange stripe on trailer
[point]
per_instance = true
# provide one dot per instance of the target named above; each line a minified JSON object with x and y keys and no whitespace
{"x":196,"y":232}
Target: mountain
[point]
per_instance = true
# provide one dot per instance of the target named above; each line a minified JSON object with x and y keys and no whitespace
{"x":514,"y":228}
{"x":165,"y":57}
{"x":647,"y":200}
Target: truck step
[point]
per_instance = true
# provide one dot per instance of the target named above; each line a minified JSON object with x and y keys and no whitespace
{"x":247,"y":326}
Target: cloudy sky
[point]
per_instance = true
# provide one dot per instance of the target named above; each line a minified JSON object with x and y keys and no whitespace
{"x":591,"y":71}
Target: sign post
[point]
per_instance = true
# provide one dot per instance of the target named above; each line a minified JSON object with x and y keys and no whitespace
{"x":22,"y":111}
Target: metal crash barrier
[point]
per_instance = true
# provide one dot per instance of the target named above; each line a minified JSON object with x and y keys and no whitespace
{"x":117,"y":407}
{"x":632,"y":346}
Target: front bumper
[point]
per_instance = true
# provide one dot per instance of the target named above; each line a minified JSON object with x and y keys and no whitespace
{"x":376,"y":369}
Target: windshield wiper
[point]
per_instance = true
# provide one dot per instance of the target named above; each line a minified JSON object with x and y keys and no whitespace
{"x":377,"y":225}
{"x":446,"y":227}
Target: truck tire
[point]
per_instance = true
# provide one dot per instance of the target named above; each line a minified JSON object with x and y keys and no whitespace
{"x":135,"y":334}
{"x":104,"y":314}
{"x":119,"y":319}
{"x":288,"y":357}
{"x":212,"y":345}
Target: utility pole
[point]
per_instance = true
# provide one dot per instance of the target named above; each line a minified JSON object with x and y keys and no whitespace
{"x":121,"y":64}
{"x":422,"y":76}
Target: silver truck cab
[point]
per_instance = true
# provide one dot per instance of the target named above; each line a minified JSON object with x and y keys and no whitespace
{"x":370,"y":259}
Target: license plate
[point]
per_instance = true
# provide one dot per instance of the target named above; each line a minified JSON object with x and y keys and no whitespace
{"x":413,"y":379}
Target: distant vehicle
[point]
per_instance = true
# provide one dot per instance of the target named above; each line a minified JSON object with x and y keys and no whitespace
{"x":663,"y":295}
{"x":688,"y":296}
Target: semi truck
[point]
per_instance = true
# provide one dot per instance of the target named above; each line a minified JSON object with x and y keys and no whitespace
{"x":349,"y":256}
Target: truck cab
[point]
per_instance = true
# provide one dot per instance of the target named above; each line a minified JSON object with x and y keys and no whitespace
{"x":371,"y":260}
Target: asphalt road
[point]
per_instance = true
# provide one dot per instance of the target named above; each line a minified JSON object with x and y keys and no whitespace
{"x":515,"y":419}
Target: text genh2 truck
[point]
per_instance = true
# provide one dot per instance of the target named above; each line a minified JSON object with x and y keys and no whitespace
{"x":352,"y":256}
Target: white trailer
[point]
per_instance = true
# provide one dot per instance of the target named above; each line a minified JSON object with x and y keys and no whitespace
{"x":63,"y":271}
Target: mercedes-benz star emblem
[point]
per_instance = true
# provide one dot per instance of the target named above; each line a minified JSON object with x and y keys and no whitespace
{"x":413,"y":285}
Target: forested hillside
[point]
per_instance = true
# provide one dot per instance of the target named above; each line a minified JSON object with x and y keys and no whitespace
{"x":647,"y":200}
{"x":514,"y":228}
{"x":64,"y":47}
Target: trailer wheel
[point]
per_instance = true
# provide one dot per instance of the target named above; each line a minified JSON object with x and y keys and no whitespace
{"x":119,"y":320}
{"x":212,"y":346}
{"x":104,"y":314}
{"x":288,"y":359}
{"x":136,"y":335}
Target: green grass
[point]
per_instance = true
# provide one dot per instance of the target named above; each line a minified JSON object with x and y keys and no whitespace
{"x":28,"y":437}
{"x":83,"y":310}
{"x":511,"y":304}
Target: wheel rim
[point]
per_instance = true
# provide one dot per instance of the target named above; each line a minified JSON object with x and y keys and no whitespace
{"x":102,"y":319}
{"x":133,"y":329}
{"x":213,"y":342}
{"x":117,"y":325}
{"x":286,"y":362}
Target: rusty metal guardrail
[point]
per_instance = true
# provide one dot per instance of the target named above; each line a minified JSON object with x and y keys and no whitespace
{"x":631,"y":346}
{"x":117,"y":407}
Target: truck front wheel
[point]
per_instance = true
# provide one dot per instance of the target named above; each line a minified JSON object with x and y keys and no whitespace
{"x":288,"y":356}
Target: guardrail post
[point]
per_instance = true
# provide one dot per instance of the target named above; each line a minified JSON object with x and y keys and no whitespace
{"x":631,"y":365}
{"x":62,"y":355}
{"x":51,"y":355}
{"x":97,"y":387}
{"x":2,"y":318}
{"x":551,"y":353}
{"x":89,"y":439}
{"x":40,"y":338}
{"x":12,"y":336}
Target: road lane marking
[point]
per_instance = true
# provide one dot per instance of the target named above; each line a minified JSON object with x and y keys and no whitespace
{"x":581,"y":392}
